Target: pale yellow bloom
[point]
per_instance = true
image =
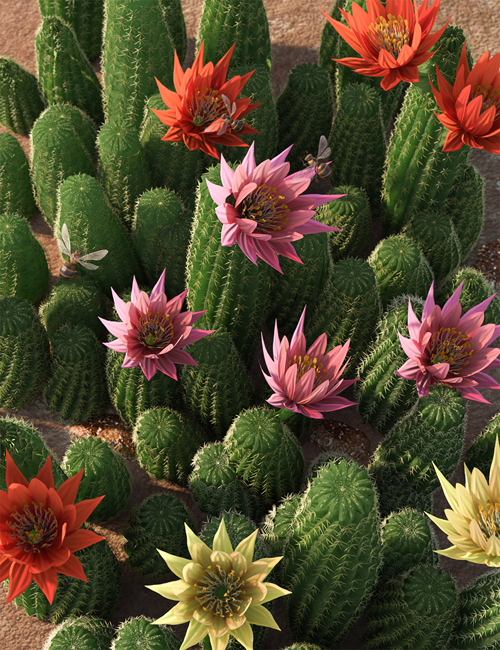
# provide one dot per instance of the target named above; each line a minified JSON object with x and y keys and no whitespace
{"x":473,"y":523}
{"x":220,"y":591}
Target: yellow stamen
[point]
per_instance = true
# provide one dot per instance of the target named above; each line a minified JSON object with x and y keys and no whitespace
{"x":489,"y":520}
{"x":491,"y":97}
{"x":449,"y":346}
{"x":390,"y":34}
{"x":265,"y":206}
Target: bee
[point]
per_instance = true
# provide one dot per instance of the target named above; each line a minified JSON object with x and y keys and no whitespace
{"x":222,"y":124}
{"x":68,"y":270}
{"x":319,"y":162}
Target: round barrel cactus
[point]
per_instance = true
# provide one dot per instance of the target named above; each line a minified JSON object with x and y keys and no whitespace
{"x":81,"y":633}
{"x":142,"y":632}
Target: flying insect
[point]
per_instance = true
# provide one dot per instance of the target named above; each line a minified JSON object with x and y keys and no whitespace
{"x":319,"y":162}
{"x":68,"y":270}
{"x":222,"y":124}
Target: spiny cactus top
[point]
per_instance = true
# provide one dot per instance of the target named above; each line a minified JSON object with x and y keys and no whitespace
{"x":40,"y":530}
{"x":205,"y":110}
{"x":447,"y":349}
{"x":471,"y":107}
{"x":153,"y":330}
{"x":392,"y":40}
{"x":263,"y":210}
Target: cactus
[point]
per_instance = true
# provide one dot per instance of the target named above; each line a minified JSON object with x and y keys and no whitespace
{"x":28,"y":450}
{"x":21,"y":101}
{"x":215,"y":485}
{"x":92,"y":226}
{"x":62,"y":144}
{"x":174,"y":18}
{"x":63,"y":70}
{"x":158,"y":523}
{"x":480,"y":453}
{"x":137,"y":47}
{"x":77,"y":387}
{"x":16,"y":193}
{"x":23,"y":268}
{"x":24,"y":354}
{"x":305,"y":112}
{"x":226,"y":22}
{"x":302,"y":646}
{"x":142,"y":632}
{"x":269,"y":458}
{"x":348,"y":308}
{"x":123,"y":169}
{"x":161,"y":231}
{"x":415,"y":610}
{"x":329,"y":41}
{"x":166,"y":441}
{"x":383,"y":398}
{"x":400,"y":267}
{"x":84,"y":633}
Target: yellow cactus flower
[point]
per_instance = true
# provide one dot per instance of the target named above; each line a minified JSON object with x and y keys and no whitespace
{"x":220,"y":591}
{"x":473,"y":523}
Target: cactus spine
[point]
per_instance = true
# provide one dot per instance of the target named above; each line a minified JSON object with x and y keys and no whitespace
{"x":141,"y":632}
{"x":83,"y":632}
{"x":21,"y":101}
{"x":16,"y":193}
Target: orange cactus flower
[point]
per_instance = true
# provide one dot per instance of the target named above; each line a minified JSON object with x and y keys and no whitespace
{"x":205,"y":110}
{"x":393,"y":41}
{"x":471,"y":107}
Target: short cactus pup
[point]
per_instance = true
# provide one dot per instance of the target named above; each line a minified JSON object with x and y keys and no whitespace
{"x":141,"y":632}
{"x":82,"y":632}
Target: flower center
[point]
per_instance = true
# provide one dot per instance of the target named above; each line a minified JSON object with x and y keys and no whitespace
{"x":449,"y":346}
{"x":34,"y":528}
{"x":489,"y":520}
{"x":155,"y":330}
{"x":206,"y":106}
{"x":390,"y":34}
{"x":491,"y":97}
{"x":306,"y":363}
{"x":220,"y":591}
{"x":265,"y":206}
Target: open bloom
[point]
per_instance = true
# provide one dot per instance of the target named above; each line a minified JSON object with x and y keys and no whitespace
{"x":40,"y":530}
{"x":261,"y":209}
{"x":306,"y":382}
{"x":153,"y":331}
{"x":473,"y":523}
{"x":449,"y":349}
{"x":221,"y":591}
{"x":392,"y":40}
{"x":471,"y":107}
{"x":204,"y":97}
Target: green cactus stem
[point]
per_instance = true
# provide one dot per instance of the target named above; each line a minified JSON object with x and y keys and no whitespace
{"x":21,"y":100}
{"x":16,"y":193}
{"x":480,"y":453}
{"x":24,"y":354}
{"x":23,"y":268}
{"x":172,"y":10}
{"x":79,"y":633}
{"x":142,"y":632}
{"x":166,"y":441}
{"x":63,"y":70}
{"x":329,"y":40}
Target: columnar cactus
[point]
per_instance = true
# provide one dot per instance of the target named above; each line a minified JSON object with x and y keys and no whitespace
{"x":83,"y":632}
{"x":480,"y":453}
{"x":172,"y":11}
{"x":141,"y":631}
{"x":476,"y":288}
{"x":329,"y":41}
{"x":16,"y":193}
{"x":21,"y":101}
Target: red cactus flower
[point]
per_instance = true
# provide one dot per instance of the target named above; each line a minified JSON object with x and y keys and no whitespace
{"x":204,"y":97}
{"x":40,"y":530}
{"x":393,"y":41}
{"x":471,"y":107}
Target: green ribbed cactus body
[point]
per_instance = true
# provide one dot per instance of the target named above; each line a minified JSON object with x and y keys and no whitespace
{"x":400,"y":267}
{"x":176,"y":26}
{"x":76,"y":390}
{"x":305,"y":112}
{"x":123,"y":169}
{"x":329,"y":42}
{"x":161,"y":231}
{"x":21,"y":100}
{"x":348,"y":308}
{"x":93,"y":226}
{"x":24,"y":354}
{"x":63,"y":144}
{"x":166,"y":441}
{"x":64,"y":72}
{"x":382,"y":397}
{"x":226,"y":22}
{"x":137,"y":48}
{"x":267,"y":454}
{"x":142,"y":632}
{"x":480,"y":453}
{"x":219,"y":387}
{"x":82,"y":633}
{"x":28,"y":450}
{"x":16,"y":193}
{"x":23,"y":268}
{"x":415,"y":610}
{"x":158,"y":523}
{"x":477,"y":624}
{"x":465,"y":206}
{"x":438,"y":240}
{"x":353,"y":215}
{"x":216,"y":273}
{"x":358,"y":143}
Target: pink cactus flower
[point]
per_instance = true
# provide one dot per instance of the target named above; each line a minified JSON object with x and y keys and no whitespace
{"x":449,"y":349}
{"x":306,"y":382}
{"x":153,"y":331}
{"x":266,"y":210}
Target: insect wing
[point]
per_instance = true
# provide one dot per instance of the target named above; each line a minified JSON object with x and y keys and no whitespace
{"x":92,"y":267}
{"x":64,"y":243}
{"x":220,"y":126}
{"x":97,"y":255}
{"x":324,"y":150}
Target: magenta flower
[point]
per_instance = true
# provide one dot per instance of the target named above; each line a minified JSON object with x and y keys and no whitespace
{"x":266,"y":212}
{"x":306,"y":382}
{"x":153,"y":331}
{"x":448,"y":349}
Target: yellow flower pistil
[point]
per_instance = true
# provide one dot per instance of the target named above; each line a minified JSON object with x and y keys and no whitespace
{"x":155,"y":330}
{"x":491,"y":97}
{"x":206,"y":106}
{"x":390,"y":34}
{"x":306,"y":363}
{"x":34,"y":529}
{"x":449,"y":346}
{"x":220,"y":591}
{"x":489,"y":520}
{"x":265,"y":206}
